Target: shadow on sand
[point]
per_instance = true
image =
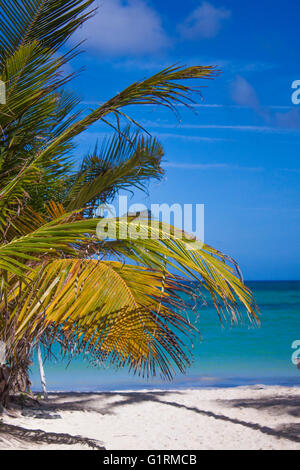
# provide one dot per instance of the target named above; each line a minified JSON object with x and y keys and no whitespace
{"x":35,"y":436}
{"x":108,"y":402}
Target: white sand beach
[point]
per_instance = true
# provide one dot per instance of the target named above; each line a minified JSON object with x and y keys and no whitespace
{"x":236,"y":418}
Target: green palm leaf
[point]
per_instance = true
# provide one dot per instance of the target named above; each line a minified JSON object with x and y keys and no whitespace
{"x":50,"y":22}
{"x":126,"y":161}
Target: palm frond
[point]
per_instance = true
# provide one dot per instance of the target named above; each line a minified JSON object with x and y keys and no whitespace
{"x":110,"y":310}
{"x":159,"y":244}
{"x":50,"y":22}
{"x":162,"y":88}
{"x":125,"y":161}
{"x":163,"y":248}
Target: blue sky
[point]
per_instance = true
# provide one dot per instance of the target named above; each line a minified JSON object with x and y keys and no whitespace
{"x":239,"y":153}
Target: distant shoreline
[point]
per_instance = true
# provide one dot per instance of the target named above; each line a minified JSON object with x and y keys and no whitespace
{"x":191,"y":383}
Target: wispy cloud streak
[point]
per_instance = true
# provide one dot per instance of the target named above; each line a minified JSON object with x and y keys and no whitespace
{"x":209,"y":166}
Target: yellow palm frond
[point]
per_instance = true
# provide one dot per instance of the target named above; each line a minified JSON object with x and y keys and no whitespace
{"x":116,"y":312}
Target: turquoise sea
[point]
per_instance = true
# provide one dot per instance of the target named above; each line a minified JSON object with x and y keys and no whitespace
{"x":229,"y":356}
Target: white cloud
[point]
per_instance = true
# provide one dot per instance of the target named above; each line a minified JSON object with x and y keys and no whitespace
{"x":122,"y":27}
{"x":289,"y":120}
{"x":243,"y":93}
{"x":204,"y":22}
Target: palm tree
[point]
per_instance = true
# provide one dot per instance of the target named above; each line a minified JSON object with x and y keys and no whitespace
{"x":58,"y":281}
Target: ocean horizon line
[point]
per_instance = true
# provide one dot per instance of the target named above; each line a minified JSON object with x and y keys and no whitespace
{"x":188,"y":384}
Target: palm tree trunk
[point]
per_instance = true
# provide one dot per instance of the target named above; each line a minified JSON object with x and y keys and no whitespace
{"x":42,"y":371}
{"x":4,"y":386}
{"x":14,"y":379}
